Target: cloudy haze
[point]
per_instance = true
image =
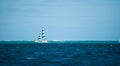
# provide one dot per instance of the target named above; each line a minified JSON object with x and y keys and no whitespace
{"x":62,"y":19}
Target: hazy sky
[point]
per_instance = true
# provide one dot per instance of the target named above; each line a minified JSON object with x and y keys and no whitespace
{"x":62,"y":19}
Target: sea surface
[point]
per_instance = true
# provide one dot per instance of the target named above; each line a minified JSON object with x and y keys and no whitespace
{"x":60,"y":53}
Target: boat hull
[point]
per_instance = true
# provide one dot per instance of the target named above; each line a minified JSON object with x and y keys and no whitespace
{"x":41,"y":41}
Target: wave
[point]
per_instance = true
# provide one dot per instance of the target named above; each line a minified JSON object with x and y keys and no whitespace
{"x":61,"y":42}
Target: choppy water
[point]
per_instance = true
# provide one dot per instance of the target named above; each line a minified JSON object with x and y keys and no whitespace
{"x":67,"y":53}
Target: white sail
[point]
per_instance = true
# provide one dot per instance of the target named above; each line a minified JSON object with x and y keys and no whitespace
{"x":39,"y":37}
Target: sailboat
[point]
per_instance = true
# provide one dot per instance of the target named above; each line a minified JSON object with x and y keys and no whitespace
{"x":42,"y":37}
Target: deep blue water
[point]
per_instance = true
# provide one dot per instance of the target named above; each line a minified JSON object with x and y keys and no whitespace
{"x":66,"y":53}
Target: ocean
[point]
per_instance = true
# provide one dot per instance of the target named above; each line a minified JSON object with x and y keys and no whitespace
{"x":60,"y":53}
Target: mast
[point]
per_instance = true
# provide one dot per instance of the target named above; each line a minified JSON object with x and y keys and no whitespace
{"x":43,"y":36}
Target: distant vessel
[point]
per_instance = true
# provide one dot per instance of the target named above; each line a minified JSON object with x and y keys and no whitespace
{"x":42,"y":37}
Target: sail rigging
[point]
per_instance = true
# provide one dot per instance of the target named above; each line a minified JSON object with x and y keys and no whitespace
{"x":42,"y":36}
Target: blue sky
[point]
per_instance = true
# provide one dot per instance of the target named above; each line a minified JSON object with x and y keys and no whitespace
{"x":62,"y":19}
